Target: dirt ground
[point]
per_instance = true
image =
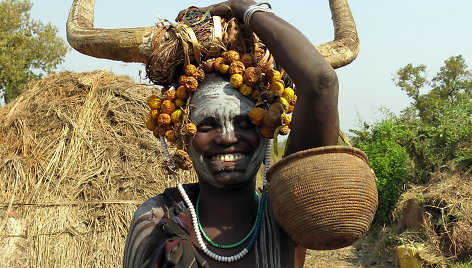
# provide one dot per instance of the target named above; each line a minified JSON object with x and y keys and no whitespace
{"x":363,"y":253}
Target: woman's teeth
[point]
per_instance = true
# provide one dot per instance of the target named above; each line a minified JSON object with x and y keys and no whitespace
{"x":227,"y":157}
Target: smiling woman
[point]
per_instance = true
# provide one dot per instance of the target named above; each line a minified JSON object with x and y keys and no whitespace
{"x":227,"y":149}
{"x":231,"y":123}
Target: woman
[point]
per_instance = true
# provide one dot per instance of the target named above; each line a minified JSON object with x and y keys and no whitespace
{"x":227,"y":151}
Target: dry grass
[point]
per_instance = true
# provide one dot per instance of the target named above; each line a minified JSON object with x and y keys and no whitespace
{"x":441,"y":213}
{"x":76,"y":160}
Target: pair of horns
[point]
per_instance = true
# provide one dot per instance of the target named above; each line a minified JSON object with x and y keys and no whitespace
{"x":129,"y":44}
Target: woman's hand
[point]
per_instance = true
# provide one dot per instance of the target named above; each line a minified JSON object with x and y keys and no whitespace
{"x":226,"y":9}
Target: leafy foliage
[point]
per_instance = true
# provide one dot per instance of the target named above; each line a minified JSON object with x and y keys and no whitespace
{"x":28,"y":48}
{"x":433,"y":133}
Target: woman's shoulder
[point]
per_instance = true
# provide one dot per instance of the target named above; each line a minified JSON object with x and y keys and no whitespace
{"x":144,"y":235}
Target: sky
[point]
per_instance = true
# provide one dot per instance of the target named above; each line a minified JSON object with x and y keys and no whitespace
{"x":392,"y":33}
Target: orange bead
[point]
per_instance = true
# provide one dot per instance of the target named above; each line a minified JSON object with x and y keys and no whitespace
{"x":164,"y":120}
{"x":199,"y":75}
{"x":191,"y":84}
{"x":256,"y":115}
{"x":181,"y":93}
{"x":208,"y":66}
{"x":190,"y":129}
{"x":190,"y":69}
{"x":167,"y":107}
{"x":248,"y":59}
{"x":252,"y":76}
{"x":231,"y":56}
{"x":171,"y":136}
{"x":284,"y":130}
{"x":237,"y":67}
{"x":170,"y":95}
{"x":154,"y":114}
{"x":182,"y":79}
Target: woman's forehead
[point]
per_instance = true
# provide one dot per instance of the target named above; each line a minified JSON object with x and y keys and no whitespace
{"x":218,"y":99}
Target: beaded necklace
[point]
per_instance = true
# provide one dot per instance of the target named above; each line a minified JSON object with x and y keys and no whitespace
{"x":209,"y":240}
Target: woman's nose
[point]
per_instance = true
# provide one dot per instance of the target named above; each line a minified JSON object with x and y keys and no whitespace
{"x":226,"y":136}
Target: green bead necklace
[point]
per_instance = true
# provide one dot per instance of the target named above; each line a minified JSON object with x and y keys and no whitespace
{"x":207,"y":238}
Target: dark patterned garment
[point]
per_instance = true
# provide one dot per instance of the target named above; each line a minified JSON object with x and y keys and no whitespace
{"x":163,"y":218}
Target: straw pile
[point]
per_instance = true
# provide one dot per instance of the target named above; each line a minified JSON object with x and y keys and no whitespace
{"x":441,"y":214}
{"x":76,"y":161}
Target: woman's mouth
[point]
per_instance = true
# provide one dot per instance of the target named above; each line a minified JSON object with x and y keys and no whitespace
{"x":227,"y":157}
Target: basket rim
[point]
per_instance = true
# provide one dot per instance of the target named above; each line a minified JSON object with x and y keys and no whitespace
{"x":332,"y":149}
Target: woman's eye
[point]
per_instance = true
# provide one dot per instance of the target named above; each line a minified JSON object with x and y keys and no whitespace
{"x":244,"y":124}
{"x":207,"y":126}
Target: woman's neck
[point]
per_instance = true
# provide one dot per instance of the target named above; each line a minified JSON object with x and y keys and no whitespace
{"x":228,"y":208}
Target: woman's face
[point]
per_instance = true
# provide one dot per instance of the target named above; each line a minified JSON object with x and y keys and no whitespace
{"x":227,"y":149}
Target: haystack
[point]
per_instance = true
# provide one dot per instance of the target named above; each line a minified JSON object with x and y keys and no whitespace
{"x":439,"y":215}
{"x":76,"y":161}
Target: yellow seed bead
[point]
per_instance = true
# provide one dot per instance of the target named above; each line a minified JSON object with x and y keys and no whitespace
{"x":154,"y":102}
{"x":236,"y":80}
{"x":273,"y":75}
{"x":182,"y":80}
{"x":176,"y":116}
{"x":224,"y":68}
{"x":285,"y":104}
{"x":277,"y":87}
{"x":245,"y":90}
{"x":289,"y":94}
{"x":231,"y":56}
{"x":287,"y":120}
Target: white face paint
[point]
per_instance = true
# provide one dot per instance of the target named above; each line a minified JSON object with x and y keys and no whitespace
{"x":216,"y":98}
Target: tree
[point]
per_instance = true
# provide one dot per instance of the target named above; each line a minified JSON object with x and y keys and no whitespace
{"x":28,"y":48}
{"x":433,"y":133}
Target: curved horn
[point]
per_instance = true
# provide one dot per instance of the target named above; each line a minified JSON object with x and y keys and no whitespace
{"x":128,"y":45}
{"x":345,"y":47}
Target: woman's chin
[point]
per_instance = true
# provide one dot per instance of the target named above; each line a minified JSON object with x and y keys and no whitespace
{"x":229,"y":179}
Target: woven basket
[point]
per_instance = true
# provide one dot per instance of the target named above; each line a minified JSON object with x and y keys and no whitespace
{"x":324,"y":198}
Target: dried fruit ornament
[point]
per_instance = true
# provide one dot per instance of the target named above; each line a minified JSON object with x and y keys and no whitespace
{"x":169,"y":116}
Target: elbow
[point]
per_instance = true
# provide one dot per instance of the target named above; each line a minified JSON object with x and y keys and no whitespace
{"x":321,"y":83}
{"x":327,"y":81}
